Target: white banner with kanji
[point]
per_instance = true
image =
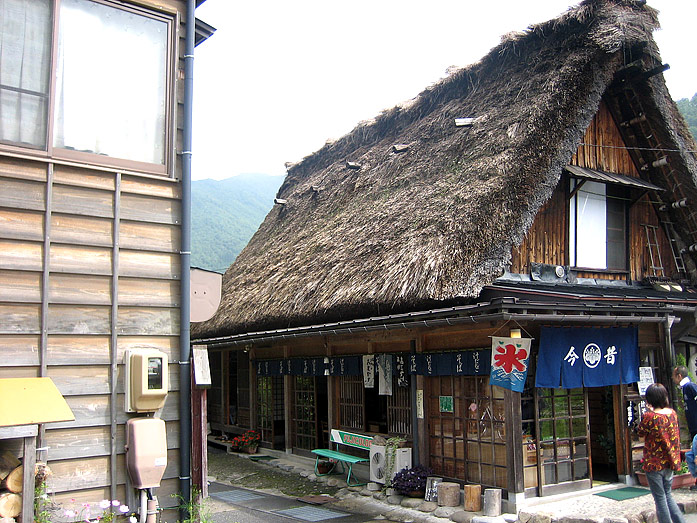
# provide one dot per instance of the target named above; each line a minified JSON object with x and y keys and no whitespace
{"x":509,"y":362}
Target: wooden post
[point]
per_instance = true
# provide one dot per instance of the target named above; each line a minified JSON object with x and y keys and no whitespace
{"x":473,"y":498}
{"x":332,"y":395}
{"x":492,"y":502}
{"x":514,"y":440}
{"x":253,"y":390}
{"x":199,"y":438}
{"x":288,"y":405}
{"x":448,"y":494}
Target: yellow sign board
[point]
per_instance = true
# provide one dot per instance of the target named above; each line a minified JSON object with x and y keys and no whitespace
{"x":28,"y":401}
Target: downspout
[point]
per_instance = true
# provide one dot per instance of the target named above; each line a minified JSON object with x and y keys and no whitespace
{"x":185,"y":257}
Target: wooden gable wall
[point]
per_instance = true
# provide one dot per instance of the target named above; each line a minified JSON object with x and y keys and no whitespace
{"x":547,"y":240}
{"x":90,"y":267}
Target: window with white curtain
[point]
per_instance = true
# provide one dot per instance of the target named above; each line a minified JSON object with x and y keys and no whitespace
{"x":110,"y":82}
{"x":25,"y":61}
{"x":109,"y":89}
{"x":597,"y":226}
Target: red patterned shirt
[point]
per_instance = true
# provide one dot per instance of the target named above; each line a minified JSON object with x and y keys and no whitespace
{"x":661,"y":441}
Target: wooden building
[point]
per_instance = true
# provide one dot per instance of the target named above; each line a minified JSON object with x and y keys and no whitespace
{"x":547,"y":187}
{"x":94,"y":122}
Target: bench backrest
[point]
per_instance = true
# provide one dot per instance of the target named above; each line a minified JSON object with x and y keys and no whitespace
{"x":358,"y":441}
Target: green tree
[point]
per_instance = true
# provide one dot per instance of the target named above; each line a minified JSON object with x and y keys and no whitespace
{"x":688,"y":108}
{"x":225,"y":214}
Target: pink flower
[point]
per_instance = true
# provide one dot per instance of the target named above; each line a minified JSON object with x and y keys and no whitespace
{"x":123,"y":509}
{"x":104,"y":504}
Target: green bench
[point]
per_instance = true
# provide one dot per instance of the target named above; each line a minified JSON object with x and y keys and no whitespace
{"x":349,"y":439}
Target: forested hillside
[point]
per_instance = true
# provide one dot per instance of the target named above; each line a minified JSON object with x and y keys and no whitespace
{"x":688,"y":108}
{"x":225,"y":214}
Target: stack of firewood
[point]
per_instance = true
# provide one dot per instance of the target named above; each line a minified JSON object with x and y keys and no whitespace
{"x":12,"y":483}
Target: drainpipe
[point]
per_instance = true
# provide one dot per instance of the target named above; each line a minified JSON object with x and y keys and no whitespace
{"x":185,"y":257}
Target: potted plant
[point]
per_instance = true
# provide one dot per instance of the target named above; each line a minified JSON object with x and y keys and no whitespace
{"x":325,"y":466}
{"x":411,"y":482}
{"x":681,"y":478}
{"x":247,"y":442}
{"x":391,"y":447}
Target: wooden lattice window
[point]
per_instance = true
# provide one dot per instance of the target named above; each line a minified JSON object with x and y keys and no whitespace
{"x":467,"y":430}
{"x":303,"y":413}
{"x":242,"y":379}
{"x":265,"y":408}
{"x":351,"y":403}
{"x":399,"y":411}
{"x":215,"y":393}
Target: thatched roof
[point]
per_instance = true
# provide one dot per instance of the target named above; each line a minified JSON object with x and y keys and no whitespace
{"x":435,"y":223}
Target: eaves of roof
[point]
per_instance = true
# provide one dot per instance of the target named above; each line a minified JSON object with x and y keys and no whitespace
{"x":564,"y":311}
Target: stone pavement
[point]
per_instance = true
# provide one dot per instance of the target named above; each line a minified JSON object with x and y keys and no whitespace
{"x":580,"y":507}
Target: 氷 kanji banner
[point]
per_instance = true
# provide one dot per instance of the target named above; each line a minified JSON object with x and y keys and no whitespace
{"x":587,"y":357}
{"x":509,"y":362}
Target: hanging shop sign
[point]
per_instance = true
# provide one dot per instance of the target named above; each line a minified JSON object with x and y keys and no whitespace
{"x":291,"y":367}
{"x":401,"y":370}
{"x":345,"y":366}
{"x":587,"y":357}
{"x":369,"y":371}
{"x":645,"y":379}
{"x":270,"y":367}
{"x":385,"y":366}
{"x":509,"y":362}
{"x":455,"y":363}
{"x":461,"y":363}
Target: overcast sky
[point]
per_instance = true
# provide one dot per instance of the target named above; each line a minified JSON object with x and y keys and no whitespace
{"x":279,"y":78}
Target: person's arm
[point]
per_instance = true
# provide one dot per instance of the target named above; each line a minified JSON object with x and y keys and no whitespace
{"x":645,"y":424}
{"x":690,"y":458}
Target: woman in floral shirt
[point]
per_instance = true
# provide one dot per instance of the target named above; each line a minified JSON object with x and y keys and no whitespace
{"x":659,"y":426}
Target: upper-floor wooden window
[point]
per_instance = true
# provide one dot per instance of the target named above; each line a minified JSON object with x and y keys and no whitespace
{"x":86,"y":80}
{"x":597,"y":226}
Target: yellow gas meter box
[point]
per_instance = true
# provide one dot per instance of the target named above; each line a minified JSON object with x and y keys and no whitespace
{"x":147,"y":380}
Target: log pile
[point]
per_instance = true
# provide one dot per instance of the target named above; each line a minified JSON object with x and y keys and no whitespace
{"x":11,"y":476}
{"x":12,"y":484}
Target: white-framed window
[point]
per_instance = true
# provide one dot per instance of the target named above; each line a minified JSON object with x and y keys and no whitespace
{"x":597,"y":226}
{"x":25,"y":66}
{"x":102,"y":74}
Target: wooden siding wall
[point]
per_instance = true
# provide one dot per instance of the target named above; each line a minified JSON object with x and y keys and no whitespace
{"x":548,"y":239}
{"x":89,"y":267}
{"x":102,"y":243}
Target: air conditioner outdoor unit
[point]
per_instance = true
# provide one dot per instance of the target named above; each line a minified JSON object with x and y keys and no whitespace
{"x":402,"y":460}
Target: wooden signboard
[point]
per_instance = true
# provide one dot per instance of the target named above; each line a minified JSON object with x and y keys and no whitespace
{"x":432,"y":488}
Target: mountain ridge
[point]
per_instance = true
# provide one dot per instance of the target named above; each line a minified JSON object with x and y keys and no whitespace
{"x":225,"y":214}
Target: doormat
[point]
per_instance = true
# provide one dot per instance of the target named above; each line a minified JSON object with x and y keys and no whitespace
{"x":317,"y":500}
{"x":260,"y":457}
{"x":624,"y":493}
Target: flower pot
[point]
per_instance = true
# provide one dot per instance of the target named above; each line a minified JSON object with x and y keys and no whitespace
{"x":679,"y":480}
{"x":416,"y":493}
{"x":250,"y":450}
{"x":323,"y":467}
